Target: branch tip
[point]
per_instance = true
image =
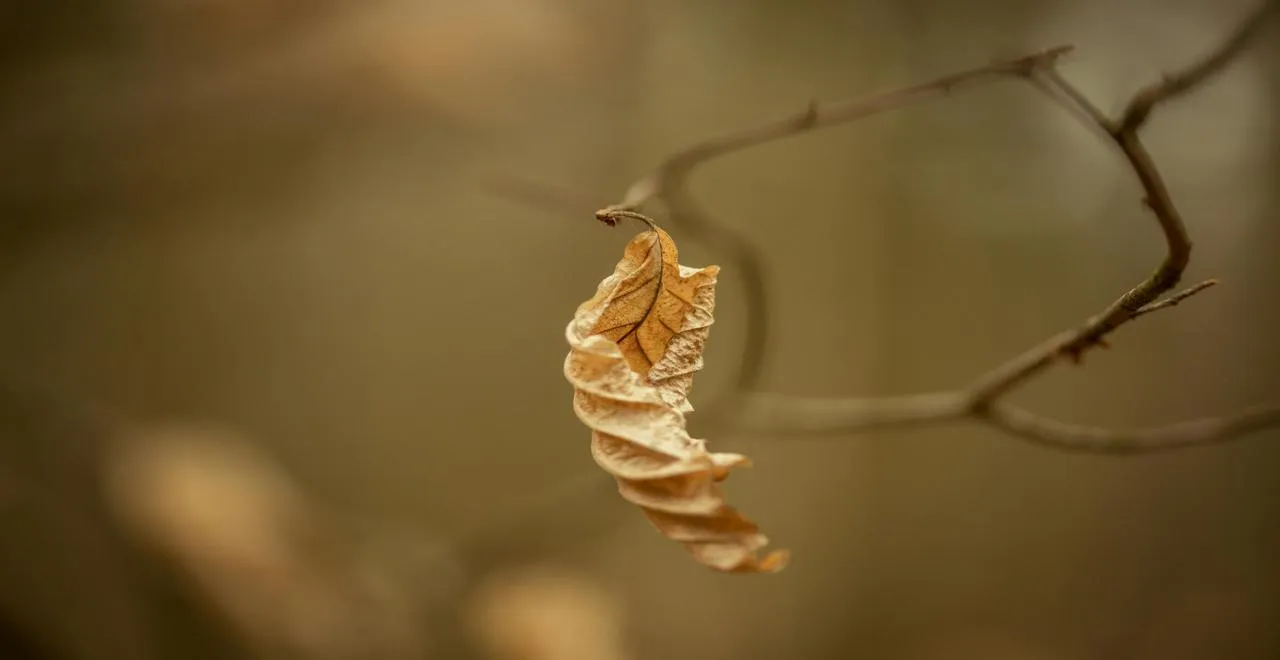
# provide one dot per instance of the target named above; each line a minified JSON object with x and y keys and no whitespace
{"x":1175,"y":298}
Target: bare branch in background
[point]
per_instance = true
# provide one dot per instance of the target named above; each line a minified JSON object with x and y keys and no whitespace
{"x":1072,"y":437}
{"x":981,"y":401}
{"x":1188,"y":79}
{"x":669,"y":185}
{"x":675,"y":169}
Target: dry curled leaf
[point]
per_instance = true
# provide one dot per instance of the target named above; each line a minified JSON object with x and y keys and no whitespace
{"x":635,"y":346}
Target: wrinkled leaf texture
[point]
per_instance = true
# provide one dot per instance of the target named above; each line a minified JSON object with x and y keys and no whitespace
{"x":635,"y":347}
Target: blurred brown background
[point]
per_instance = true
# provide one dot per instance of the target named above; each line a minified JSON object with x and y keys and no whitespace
{"x":269,"y":217}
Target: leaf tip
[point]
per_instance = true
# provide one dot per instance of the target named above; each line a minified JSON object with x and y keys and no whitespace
{"x":773,"y":562}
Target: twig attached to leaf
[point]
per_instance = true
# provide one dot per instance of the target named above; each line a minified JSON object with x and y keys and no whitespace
{"x":635,"y":347}
{"x":982,"y":401}
{"x":606,"y":370}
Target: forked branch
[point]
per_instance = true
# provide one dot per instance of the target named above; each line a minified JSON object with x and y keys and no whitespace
{"x":981,"y":400}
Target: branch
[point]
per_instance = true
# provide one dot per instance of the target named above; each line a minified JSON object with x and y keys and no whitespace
{"x":1073,"y":344}
{"x":773,"y":413}
{"x":1138,"y":301}
{"x":1076,"y":438}
{"x":668,"y":184}
{"x":1187,"y":80}
{"x":676,"y":168}
{"x":978,"y":400}
{"x":981,"y":401}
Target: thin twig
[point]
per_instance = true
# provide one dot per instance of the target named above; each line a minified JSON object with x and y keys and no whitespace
{"x":1190,"y":78}
{"x":1051,"y":82}
{"x":775,"y":413}
{"x":1176,"y":298}
{"x":677,"y":167}
{"x":1071,"y":437}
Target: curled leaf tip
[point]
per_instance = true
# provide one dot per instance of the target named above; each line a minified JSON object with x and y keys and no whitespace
{"x":634,"y":349}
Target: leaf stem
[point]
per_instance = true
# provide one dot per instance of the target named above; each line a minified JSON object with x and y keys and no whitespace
{"x":610,"y":216}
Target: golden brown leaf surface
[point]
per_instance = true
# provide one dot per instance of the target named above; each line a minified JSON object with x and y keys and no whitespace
{"x":635,"y":346}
